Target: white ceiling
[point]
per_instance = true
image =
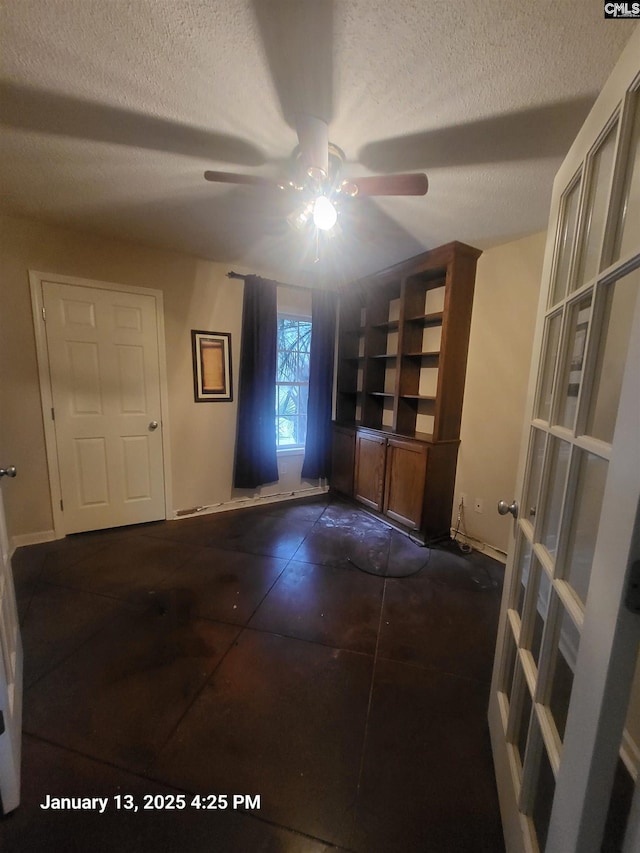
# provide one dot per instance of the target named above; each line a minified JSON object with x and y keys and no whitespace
{"x":111,"y":110}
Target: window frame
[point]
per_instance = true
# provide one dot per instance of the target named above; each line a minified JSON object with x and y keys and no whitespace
{"x":289,"y":449}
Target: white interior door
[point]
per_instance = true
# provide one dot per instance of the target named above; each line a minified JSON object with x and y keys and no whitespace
{"x":565,"y":726}
{"x":10,"y":678}
{"x":103,"y":359}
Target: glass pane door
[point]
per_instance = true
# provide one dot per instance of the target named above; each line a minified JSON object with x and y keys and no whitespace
{"x":562,"y":574}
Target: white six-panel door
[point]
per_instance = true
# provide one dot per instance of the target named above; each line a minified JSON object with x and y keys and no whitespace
{"x":102,"y":355}
{"x":565,"y":734}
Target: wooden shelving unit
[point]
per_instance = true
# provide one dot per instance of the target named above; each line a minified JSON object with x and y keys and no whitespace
{"x":403,"y":341}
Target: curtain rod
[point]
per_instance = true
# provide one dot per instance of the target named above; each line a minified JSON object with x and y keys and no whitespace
{"x":232,"y":274}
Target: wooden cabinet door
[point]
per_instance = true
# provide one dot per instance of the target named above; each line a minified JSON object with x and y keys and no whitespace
{"x":342,"y":460}
{"x":405,"y":479}
{"x":369,"y":473}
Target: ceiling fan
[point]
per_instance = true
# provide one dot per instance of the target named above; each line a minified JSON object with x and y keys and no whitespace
{"x":316,"y":176}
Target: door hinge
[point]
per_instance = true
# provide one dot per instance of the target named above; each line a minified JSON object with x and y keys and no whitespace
{"x":632,"y":597}
{"x":1,"y":723}
{"x":61,"y":505}
{"x":44,"y":314}
{"x":53,"y":414}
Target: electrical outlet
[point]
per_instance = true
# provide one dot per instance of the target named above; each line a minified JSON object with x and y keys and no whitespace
{"x":477,"y":505}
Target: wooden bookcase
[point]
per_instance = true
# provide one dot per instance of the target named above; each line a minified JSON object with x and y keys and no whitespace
{"x":402,"y":356}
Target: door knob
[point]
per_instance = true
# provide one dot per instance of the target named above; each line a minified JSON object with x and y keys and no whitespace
{"x":153,"y":425}
{"x":504,"y":508}
{"x":8,"y":472}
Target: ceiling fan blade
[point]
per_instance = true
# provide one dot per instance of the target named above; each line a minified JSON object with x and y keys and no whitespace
{"x":236,"y":178}
{"x":313,"y":136}
{"x":527,"y":134}
{"x":298,"y":36}
{"x":415,"y":183}
{"x":45,"y":111}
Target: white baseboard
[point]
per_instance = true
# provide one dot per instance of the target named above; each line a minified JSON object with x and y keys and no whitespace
{"x":239,"y":503}
{"x":32,"y":539}
{"x":483,"y":547}
{"x":243,"y":503}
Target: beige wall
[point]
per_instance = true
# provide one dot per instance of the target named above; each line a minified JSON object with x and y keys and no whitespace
{"x":502,"y":326}
{"x":197,"y":295}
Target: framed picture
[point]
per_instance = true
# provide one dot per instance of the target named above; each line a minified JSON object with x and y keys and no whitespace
{"x":212,"y":366}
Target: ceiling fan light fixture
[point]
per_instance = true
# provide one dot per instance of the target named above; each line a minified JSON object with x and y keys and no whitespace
{"x":325,"y":215}
{"x":316,"y":173}
{"x":300,"y":217}
{"x":348,"y":188}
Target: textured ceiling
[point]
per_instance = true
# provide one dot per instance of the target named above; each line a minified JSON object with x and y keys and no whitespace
{"x":111,"y":110}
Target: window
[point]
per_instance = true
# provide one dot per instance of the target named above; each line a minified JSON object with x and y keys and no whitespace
{"x":292,"y":381}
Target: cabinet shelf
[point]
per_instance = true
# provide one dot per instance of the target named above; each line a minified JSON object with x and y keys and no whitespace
{"x":396,"y":450}
{"x":433,"y":319}
{"x":401,"y":341}
{"x":423,"y":354}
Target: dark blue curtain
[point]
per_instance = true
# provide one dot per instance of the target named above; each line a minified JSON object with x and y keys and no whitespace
{"x":256,"y":460}
{"x":317,"y":451}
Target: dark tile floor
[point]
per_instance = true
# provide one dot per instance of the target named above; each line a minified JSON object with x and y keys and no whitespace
{"x":246,"y":654}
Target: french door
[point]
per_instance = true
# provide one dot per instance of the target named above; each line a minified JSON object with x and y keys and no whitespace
{"x":11,"y":660}
{"x":564,"y":711}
